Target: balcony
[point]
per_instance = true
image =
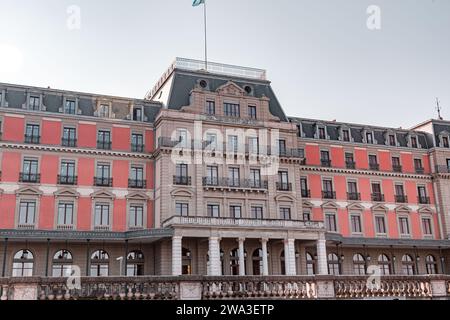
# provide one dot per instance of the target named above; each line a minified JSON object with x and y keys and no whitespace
{"x":328,"y":194}
{"x":25,"y":226}
{"x":29,"y":177}
{"x":295,"y":288}
{"x":306,"y":193}
{"x":67,"y":180}
{"x":401,"y":199}
{"x":182,"y":180}
{"x":355,"y":196}
{"x":420,"y":170}
{"x":374,"y":166}
{"x":397,"y":168}
{"x":104,"y":145}
{"x":325,"y":163}
{"x":103,"y":182}
{"x":242,"y":222}
{"x":34,"y":139}
{"x":378,"y":196}
{"x":442,"y":169}
{"x":350,"y":164}
{"x":137,"y":147}
{"x":137,"y":183}
{"x":65,"y":142}
{"x":234,"y":183}
{"x":64,"y":227}
{"x":284,"y":186}
{"x":102,"y":228}
{"x":423,"y":200}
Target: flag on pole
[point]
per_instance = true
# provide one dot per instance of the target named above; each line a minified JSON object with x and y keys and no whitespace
{"x":197,"y":2}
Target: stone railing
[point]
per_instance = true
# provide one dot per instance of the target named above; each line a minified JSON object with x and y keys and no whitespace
{"x":267,"y":223}
{"x":224,"y":287}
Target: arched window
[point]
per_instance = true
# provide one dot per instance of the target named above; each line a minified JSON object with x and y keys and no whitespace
{"x":407,"y":264}
{"x":431,"y":265}
{"x":359,"y":264}
{"x":385,"y":264}
{"x":99,"y":264}
{"x":333,"y":264}
{"x":310,"y":264}
{"x":135,"y":263}
{"x":257,"y":262}
{"x":62,"y":264}
{"x":187,"y":261}
{"x":23,"y":264}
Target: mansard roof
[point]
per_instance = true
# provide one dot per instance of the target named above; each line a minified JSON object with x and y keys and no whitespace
{"x":16,"y":95}
{"x":308,"y":130}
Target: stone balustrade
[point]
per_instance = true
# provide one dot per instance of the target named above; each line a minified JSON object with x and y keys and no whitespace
{"x":225,"y":287}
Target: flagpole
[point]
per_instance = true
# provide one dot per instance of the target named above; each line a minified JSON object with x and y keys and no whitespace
{"x":206,"y":47}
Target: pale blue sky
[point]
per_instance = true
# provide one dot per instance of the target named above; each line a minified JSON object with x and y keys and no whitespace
{"x":321,"y":58}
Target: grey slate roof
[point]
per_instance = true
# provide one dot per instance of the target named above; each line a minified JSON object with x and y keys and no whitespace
{"x":53,"y":100}
{"x":184,"y":81}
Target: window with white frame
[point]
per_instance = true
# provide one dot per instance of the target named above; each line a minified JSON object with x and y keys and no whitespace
{"x":330,"y":221}
{"x":355,"y":223}
{"x":380,"y":224}
{"x":136,"y":216}
{"x":285,"y":213}
{"x":213,"y":210}
{"x":427,"y":228}
{"x":101,"y":218}
{"x":27,"y":212}
{"x":65,"y":213}
{"x":182,"y":209}
{"x":403,"y":223}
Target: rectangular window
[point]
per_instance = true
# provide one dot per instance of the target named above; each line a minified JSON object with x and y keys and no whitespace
{"x":330,"y":222}
{"x":399,"y":191}
{"x":65,"y":213}
{"x":67,"y":172}
{"x":426,"y":227}
{"x":70,"y":107}
{"x":182,"y":209}
{"x":103,"y":111}
{"x":233,"y":177}
{"x":136,"y":218}
{"x":137,"y":142}
{"x":233,"y":144}
{"x":212,"y":175}
{"x":231,"y":110}
{"x":32,"y":133}
{"x":252,"y":112}
{"x":322,"y":133}
{"x":373,"y":159}
{"x":445,"y":142}
{"x":104,"y":139}
{"x":418,"y":164}
{"x":181,"y":170}
{"x":327,"y":185}
{"x":282,"y":147}
{"x":103,"y":171}
{"x":285,"y":213}
{"x":137,"y":173}
{"x":369,"y":137}
{"x":395,"y":161}
{"x":137,"y":114}
{"x":210,"y":107}
{"x":69,"y":138}
{"x":404,"y":225}
{"x":253,"y":145}
{"x":349,"y":157}
{"x":257,"y":212}
{"x":380,"y":225}
{"x":211,"y":141}
{"x":235,"y":212}
{"x":346,"y":135}
{"x":355,"y":221}
{"x":324,"y":155}
{"x":255,"y":178}
{"x":182,"y":135}
{"x":27,"y":212}
{"x":34,"y":103}
{"x":392,"y":140}
{"x":101,"y":215}
{"x":30,"y":171}
{"x":352,"y":189}
{"x":306,"y":216}
{"x":304,"y":187}
{"x":414,"y":142}
{"x":213,"y":210}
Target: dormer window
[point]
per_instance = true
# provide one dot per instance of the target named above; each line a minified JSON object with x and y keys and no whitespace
{"x":103,"y":111}
{"x":70,"y":107}
{"x":392,"y":140}
{"x":210,"y":108}
{"x":369,"y":137}
{"x":34,"y":103}
{"x":414,"y":142}
{"x":443,"y":139}
{"x":322,"y":134}
{"x":252,"y":112}
{"x":345,"y":135}
{"x":231,"y":110}
{"x":138,"y":114}
{"x":445,"y":142}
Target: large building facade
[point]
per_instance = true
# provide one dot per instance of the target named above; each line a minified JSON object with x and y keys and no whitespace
{"x":207,"y":176}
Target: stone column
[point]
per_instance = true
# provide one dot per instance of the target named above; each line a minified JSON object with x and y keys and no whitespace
{"x":286,"y":258}
{"x":241,"y":257}
{"x":176,"y":255}
{"x":322,"y":264}
{"x":291,"y":257}
{"x":265,"y":262}
{"x":214,"y":257}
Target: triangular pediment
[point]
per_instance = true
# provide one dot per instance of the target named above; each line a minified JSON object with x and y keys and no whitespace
{"x":402,"y":208}
{"x":102,"y":194}
{"x":330,"y":205}
{"x":425,"y":210}
{"x":29,"y":191}
{"x":137,"y":196}
{"x":230,"y":89}
{"x":355,"y":206}
{"x":307,"y":204}
{"x":66,"y":192}
{"x":380,"y":207}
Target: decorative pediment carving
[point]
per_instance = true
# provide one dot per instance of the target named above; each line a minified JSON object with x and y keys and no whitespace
{"x":32,"y":191}
{"x":355,"y":206}
{"x":137,"y":196}
{"x":307,"y":204}
{"x":330,"y":205}
{"x":182,"y":193}
{"x":102,"y":194}
{"x":231,"y":89}
{"x":380,"y":207}
{"x":66,"y":192}
{"x":426,"y":210}
{"x":284,"y":197}
{"x":402,"y":208}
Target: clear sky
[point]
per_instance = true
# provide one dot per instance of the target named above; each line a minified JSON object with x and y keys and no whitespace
{"x":321,"y":57}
